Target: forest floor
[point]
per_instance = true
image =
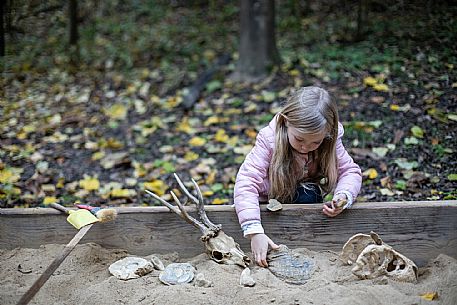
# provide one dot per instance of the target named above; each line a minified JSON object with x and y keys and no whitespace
{"x":106,"y":125}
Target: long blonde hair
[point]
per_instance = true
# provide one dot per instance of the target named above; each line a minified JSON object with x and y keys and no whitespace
{"x":310,"y":110}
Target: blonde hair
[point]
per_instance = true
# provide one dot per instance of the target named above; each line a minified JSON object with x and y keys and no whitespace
{"x":310,"y":110}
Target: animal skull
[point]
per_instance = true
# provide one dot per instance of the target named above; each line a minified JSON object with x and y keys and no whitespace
{"x":224,"y":250}
{"x":220,"y":247}
{"x":377,"y":259}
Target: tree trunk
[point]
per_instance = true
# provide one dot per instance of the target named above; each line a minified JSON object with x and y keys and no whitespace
{"x":257,"y":51}
{"x":73,"y":20}
{"x":2,"y":29}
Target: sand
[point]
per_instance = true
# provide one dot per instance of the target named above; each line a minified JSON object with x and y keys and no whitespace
{"x":83,"y":278}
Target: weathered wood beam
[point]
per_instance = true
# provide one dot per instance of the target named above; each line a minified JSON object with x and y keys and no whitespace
{"x":420,"y":230}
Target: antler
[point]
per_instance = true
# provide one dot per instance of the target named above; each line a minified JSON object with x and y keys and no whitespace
{"x":206,"y":226}
{"x":198,"y":202}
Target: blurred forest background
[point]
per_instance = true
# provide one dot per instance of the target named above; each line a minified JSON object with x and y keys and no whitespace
{"x":100,"y":100}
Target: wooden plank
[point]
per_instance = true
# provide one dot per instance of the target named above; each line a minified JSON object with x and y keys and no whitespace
{"x":421,"y":230}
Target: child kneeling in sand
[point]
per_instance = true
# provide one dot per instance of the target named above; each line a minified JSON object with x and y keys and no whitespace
{"x":297,"y":158}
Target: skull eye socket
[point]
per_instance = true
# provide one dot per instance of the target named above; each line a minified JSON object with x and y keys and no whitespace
{"x":218,"y":255}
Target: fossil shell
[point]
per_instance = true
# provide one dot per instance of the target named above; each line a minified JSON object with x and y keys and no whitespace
{"x":293,"y":268}
{"x":130,"y":268}
{"x":177,"y":273}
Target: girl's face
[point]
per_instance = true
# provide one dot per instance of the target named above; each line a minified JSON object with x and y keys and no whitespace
{"x":304,"y":143}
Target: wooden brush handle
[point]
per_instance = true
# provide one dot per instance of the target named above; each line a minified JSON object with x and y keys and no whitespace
{"x":59,"y":207}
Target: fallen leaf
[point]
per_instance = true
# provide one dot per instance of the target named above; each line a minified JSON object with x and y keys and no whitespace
{"x":89,"y":183}
{"x":220,"y":201}
{"x":157,"y":186}
{"x":381,"y":87}
{"x":197,"y":141}
{"x":417,"y":132}
{"x":452,"y":177}
{"x":386,"y":192}
{"x":191,"y":156}
{"x":380,"y":151}
{"x":123,"y":193}
{"x":117,"y":112}
{"x":49,"y":200}
{"x":405,"y":164}
{"x":429,"y":296}
{"x":369,"y":81}
{"x":371,"y":173}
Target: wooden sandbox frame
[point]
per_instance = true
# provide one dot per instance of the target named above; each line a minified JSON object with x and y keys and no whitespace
{"x":418,"y":229}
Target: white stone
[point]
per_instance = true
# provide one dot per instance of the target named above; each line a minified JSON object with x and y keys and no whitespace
{"x":246,"y":279}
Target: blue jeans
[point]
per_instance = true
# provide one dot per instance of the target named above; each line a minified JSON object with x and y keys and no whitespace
{"x":312,"y":194}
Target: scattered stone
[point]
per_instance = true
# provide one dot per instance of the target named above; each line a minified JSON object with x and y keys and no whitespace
{"x":157,"y":263}
{"x":201,"y":281}
{"x":246,"y":279}
{"x":274,"y":205}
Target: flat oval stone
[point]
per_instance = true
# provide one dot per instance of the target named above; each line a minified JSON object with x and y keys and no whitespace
{"x":177,"y":273}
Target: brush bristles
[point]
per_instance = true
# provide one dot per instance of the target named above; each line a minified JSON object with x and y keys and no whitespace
{"x":106,"y":215}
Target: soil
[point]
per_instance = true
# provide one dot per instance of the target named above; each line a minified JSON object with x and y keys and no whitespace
{"x":83,"y":278}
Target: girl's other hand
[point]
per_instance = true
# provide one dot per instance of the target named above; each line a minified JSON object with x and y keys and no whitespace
{"x":331,"y":209}
{"x":259,"y":248}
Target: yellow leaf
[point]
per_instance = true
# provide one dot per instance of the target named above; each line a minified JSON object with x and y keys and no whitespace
{"x":197,"y":141}
{"x":191,"y":156}
{"x":140,"y":170}
{"x":294,"y":72}
{"x":10,"y":174}
{"x":157,"y":186}
{"x":172,"y":102}
{"x":60,"y":182}
{"x":122,"y":193}
{"x":430,"y":296}
{"x":381,"y":87}
{"x":211,"y":177}
{"x":221,"y":136}
{"x":371,"y":173}
{"x":220,"y":201}
{"x":48,"y":200}
{"x":251,"y":133}
{"x":208,"y":193}
{"x":369,"y":81}
{"x":394,"y":107}
{"x":89,"y":184}
{"x":211,"y":120}
{"x":184,"y":126}
{"x":117,"y":112}
{"x":98,"y":155}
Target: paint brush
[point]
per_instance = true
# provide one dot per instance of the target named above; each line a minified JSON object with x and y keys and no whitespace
{"x":103,"y":214}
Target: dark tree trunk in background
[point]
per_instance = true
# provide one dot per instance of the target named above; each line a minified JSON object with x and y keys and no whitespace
{"x":73,"y":19}
{"x":2,"y":28}
{"x":257,"y":50}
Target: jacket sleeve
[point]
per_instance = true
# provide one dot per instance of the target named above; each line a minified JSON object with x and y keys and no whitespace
{"x":349,"y":173}
{"x":250,"y":178}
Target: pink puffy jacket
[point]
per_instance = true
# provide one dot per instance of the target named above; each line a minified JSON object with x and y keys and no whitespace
{"x":252,"y":182}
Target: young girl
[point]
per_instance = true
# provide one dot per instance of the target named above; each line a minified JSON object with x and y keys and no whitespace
{"x":297,"y":158}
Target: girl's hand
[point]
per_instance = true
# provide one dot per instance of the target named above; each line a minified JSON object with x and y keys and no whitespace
{"x":259,"y":248}
{"x":334,"y":207}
